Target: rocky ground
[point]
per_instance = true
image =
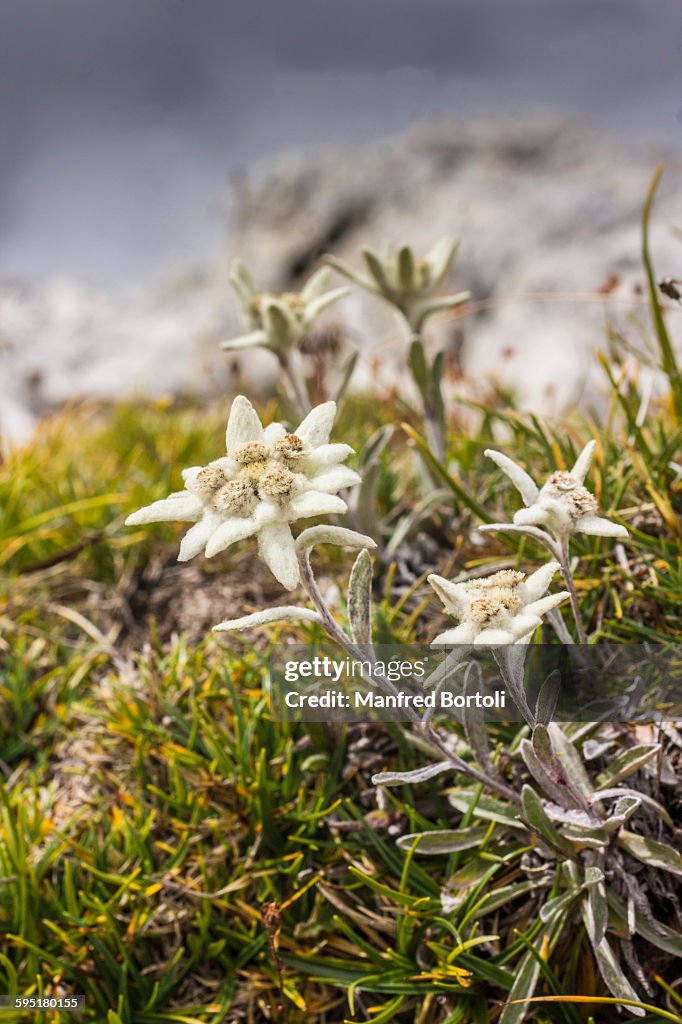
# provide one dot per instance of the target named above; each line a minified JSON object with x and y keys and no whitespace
{"x":548,"y":217}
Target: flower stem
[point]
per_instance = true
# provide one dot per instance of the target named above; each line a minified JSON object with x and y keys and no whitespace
{"x":564,"y":562}
{"x":292,"y":369}
{"x":337,"y":634}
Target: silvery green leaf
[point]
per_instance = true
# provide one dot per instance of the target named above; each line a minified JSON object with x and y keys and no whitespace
{"x":442,"y":841}
{"x":486,"y":807}
{"x":439,"y":259}
{"x":651,"y":852}
{"x":242,"y":282}
{"x":542,"y":745}
{"x":558,"y":794}
{"x":567,"y":753}
{"x":332,"y":535}
{"x":253,"y":340}
{"x":623,"y":810}
{"x":376,"y":269}
{"x":547,"y":698}
{"x":360,"y":599}
{"x":348,"y":370}
{"x":614,"y":979}
{"x":280,"y":325}
{"x":322,"y":302}
{"x":406,"y":269}
{"x":316,"y":285}
{"x":586,"y":837}
{"x":627,"y":763}
{"x":524,"y":986}
{"x":595,"y":911}
{"x":418,"y":365}
{"x":430,"y":771}
{"x":649,"y":801}
{"x":557,"y":905}
{"x":502,"y":896}
{"x":537,"y":819}
{"x":262,"y":618}
{"x":429,"y":307}
{"x":342,"y":268}
{"x":593,"y":876}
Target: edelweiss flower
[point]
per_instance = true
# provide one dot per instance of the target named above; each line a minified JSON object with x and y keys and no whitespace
{"x":267,"y":480}
{"x":504,"y":608}
{"x":278,"y":322}
{"x":406,"y":282}
{"x":563,"y":506}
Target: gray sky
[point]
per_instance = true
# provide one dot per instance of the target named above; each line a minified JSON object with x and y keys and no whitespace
{"x":121,"y":120}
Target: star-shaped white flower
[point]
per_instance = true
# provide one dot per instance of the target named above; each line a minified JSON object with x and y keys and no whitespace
{"x":563,"y":505}
{"x":267,"y":480}
{"x":504,"y":608}
{"x":278,"y":322}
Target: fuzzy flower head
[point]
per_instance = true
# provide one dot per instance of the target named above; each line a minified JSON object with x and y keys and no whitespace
{"x":504,"y":608}
{"x":267,"y":480}
{"x":279,"y":322}
{"x":406,"y":281}
{"x":563,"y":506}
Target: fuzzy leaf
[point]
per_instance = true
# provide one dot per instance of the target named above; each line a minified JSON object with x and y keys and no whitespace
{"x":332,"y":535}
{"x":419,"y":366}
{"x":595,"y":912}
{"x":610,"y":970}
{"x":360,"y":599}
{"x":547,"y":698}
{"x":538,"y":820}
{"x":430,"y":771}
{"x":559,"y":794}
{"x":348,"y":370}
{"x":651,"y":852}
{"x":441,"y":841}
{"x":406,"y":269}
{"x":524,"y":986}
{"x":627,"y":763}
{"x":624,"y":809}
{"x":268,"y":615}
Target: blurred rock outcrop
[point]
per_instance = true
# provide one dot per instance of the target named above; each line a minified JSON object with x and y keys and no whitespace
{"x":548,"y":214}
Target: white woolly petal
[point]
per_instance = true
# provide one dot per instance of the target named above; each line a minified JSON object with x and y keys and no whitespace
{"x":315,"y":503}
{"x":273,"y":432}
{"x":584,"y":461}
{"x":465,"y":633}
{"x":190,"y":475}
{"x":524,"y":484}
{"x":316,"y":285}
{"x":332,"y":480}
{"x":268,"y":512}
{"x":317,"y":426}
{"x":196,"y":539}
{"x":230,"y":532}
{"x":276,"y":548}
{"x":326,"y":455}
{"x":181,"y":507}
{"x":493,"y":637}
{"x":537,"y":583}
{"x":243,"y":426}
{"x":600,"y":527}
{"x":453,"y":595}
{"x":533,"y":516}
{"x":545,"y":604}
{"x":524,"y":624}
{"x":269,"y":615}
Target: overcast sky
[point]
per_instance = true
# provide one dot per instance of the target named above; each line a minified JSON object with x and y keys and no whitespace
{"x":121,"y":120}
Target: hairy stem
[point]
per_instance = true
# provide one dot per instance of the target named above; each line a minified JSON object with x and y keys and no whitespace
{"x":564,"y":562}
{"x":293,"y":371}
{"x":337,"y":634}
